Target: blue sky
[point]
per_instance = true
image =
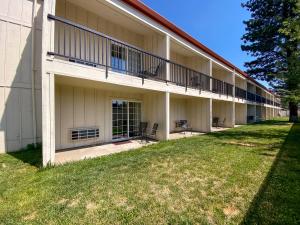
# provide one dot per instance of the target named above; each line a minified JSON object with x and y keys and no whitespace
{"x":218,"y":24}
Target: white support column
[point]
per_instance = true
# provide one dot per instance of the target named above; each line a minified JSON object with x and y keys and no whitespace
{"x":48,"y":118}
{"x":48,"y":86}
{"x":167,"y":55}
{"x":167,"y":116}
{"x":233,"y":99}
{"x":167,"y":94}
{"x":210,"y":74}
{"x":273,"y":110}
{"x":209,"y":121}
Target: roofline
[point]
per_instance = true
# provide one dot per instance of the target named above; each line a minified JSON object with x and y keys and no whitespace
{"x":138,"y":5}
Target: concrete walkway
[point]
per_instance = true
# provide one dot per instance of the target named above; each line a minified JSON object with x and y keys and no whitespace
{"x":70,"y":155}
{"x":186,"y":134}
{"x":76,"y":154}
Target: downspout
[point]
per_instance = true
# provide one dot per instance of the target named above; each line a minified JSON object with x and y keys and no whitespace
{"x":33,"y":72}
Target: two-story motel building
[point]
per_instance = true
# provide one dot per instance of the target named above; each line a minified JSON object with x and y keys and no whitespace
{"x":100,"y":67}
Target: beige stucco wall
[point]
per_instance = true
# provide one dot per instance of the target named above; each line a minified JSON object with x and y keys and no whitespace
{"x":223,"y":110}
{"x":193,"y":62}
{"x":84,"y":17}
{"x":199,"y":114}
{"x":241,"y":83}
{"x":222,"y":74}
{"x":240,"y":113}
{"x":251,"y":88}
{"x":77,"y":107}
{"x":251,"y":111}
{"x":194,"y":110}
{"x":16,"y":120}
{"x":154,"y":111}
{"x":178,"y":111}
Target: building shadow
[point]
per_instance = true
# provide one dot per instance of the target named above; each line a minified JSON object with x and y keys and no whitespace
{"x":278,"y":199}
{"x":257,"y":134}
{"x":16,"y":101}
{"x":31,"y":156}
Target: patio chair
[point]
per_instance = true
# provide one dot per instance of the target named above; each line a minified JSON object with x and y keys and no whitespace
{"x":185,"y":126}
{"x":222,"y":123}
{"x":152,"y":71}
{"x":152,"y":134}
{"x":143,"y":130}
{"x":215,"y":122}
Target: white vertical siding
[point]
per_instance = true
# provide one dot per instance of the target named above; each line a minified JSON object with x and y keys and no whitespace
{"x":16,"y":125}
{"x":223,"y":110}
{"x":240,"y":113}
{"x":85,"y":107}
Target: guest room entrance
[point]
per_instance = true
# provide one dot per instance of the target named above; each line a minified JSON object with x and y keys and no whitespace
{"x":126,"y":118}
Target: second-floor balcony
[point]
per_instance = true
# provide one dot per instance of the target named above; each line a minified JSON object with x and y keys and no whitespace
{"x":80,"y":44}
{"x":240,"y":93}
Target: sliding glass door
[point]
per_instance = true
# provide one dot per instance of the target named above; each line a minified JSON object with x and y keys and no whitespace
{"x":126,"y":117}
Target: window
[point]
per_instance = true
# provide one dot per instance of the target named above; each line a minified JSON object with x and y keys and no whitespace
{"x":134,"y":118}
{"x":118,"y":57}
{"x":134,"y":61}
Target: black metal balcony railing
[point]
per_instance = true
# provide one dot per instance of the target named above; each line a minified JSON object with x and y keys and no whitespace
{"x":251,"y":96}
{"x":222,"y":87}
{"x":187,"y":77}
{"x":254,"y":97}
{"x":83,"y":45}
{"x":240,"y":93}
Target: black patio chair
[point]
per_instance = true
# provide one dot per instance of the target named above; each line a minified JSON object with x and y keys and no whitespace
{"x":215,"y":122}
{"x":222,"y":123}
{"x":143,"y":130}
{"x":153,"y":132}
{"x":185,"y":126}
{"x":152,"y":71}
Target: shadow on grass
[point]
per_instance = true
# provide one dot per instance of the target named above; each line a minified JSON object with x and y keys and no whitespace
{"x":278,"y":199}
{"x":33,"y":155}
{"x":30,"y":156}
{"x":256,"y":133}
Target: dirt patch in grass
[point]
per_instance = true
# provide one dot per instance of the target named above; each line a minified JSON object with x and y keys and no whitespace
{"x":230,"y":211}
{"x":73,"y":203}
{"x":91,"y":206}
{"x":30,"y":216}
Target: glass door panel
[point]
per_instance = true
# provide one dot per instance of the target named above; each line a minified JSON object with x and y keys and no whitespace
{"x":119,"y":119}
{"x":134,"y":118}
{"x":126,"y":118}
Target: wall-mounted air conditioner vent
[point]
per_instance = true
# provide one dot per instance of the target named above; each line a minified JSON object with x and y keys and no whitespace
{"x":84,"y":133}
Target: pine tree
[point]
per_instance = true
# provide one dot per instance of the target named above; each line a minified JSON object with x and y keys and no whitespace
{"x":273,"y":38}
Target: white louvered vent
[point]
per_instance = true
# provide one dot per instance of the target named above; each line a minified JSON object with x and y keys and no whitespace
{"x":84,"y":133}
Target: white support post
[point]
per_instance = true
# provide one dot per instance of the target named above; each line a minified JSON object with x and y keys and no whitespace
{"x":48,"y":118}
{"x":209,"y":121}
{"x":233,"y":100}
{"x":167,"y":116}
{"x":167,"y":94}
{"x":167,"y":55}
{"x":210,"y":74}
{"x":48,"y":86}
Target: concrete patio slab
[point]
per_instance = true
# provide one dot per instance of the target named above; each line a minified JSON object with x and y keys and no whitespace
{"x":186,"y":134}
{"x":70,"y":155}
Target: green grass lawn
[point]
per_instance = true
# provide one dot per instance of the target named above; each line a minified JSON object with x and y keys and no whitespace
{"x":246,"y":175}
